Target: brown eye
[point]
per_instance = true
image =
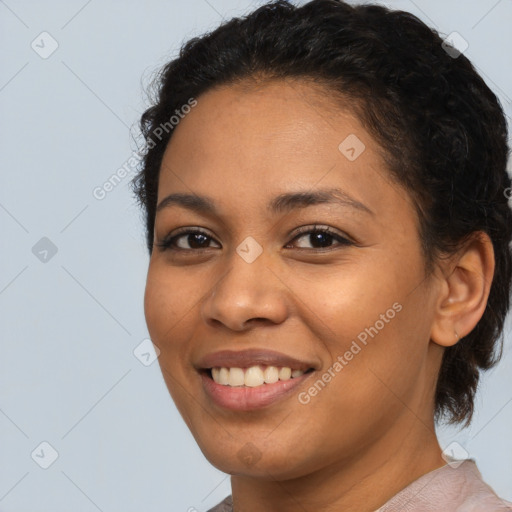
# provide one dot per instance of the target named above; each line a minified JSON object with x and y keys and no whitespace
{"x":186,"y":240}
{"x":321,"y":238}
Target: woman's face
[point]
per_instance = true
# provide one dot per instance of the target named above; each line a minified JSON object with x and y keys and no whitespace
{"x":265,"y":286}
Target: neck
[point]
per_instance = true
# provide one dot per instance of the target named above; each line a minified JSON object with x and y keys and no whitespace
{"x":362,"y":484}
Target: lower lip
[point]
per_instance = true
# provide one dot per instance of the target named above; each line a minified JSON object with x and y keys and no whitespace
{"x":245,"y":398}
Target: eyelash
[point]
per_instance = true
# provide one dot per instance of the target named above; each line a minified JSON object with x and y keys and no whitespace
{"x":169,"y":243}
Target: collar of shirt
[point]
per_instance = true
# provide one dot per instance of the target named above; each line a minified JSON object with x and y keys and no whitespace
{"x":456,"y":487}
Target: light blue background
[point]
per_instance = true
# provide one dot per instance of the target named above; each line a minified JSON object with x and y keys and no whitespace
{"x":69,"y":326}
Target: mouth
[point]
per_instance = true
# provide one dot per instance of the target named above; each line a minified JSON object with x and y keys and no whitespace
{"x":252,"y":379}
{"x":253,"y":376}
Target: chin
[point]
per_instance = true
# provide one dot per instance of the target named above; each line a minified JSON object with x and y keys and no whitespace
{"x":252,"y":462}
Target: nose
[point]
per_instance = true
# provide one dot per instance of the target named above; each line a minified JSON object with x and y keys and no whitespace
{"x":246,"y":294}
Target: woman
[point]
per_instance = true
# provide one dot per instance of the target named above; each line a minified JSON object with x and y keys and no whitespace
{"x":326,"y":212}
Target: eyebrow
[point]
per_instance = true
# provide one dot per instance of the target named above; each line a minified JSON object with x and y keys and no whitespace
{"x":281,"y":203}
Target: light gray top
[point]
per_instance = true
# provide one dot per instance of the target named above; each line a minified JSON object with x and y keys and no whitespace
{"x":456,"y":487}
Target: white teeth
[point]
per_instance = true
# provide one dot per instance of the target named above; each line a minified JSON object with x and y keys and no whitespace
{"x":285,"y":373}
{"x":236,"y":377}
{"x":253,"y":376}
{"x":224,"y":376}
{"x":271,"y":374}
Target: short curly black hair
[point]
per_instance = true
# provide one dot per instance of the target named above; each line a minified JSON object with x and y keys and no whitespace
{"x":442,"y":132}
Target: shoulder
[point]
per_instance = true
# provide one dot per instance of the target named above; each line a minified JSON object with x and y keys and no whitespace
{"x":476,"y":494}
{"x":455,"y":487}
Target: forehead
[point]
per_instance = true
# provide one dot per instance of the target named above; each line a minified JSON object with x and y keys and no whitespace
{"x":242,"y":141}
{"x":276,"y":113}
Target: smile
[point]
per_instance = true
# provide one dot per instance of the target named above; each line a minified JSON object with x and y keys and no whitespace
{"x":244,"y":380}
{"x":253,"y":376}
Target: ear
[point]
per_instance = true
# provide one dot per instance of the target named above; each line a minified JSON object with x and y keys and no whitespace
{"x":464,"y":290}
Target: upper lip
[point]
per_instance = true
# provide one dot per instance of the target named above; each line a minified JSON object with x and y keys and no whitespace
{"x":251,"y":357}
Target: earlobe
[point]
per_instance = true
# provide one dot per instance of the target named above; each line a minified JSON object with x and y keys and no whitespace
{"x":464,"y":290}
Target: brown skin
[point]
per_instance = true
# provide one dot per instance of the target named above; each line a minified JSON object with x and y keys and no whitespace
{"x":370,"y":431}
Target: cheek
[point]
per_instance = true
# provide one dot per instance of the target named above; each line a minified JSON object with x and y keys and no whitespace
{"x":165,"y":305}
{"x":374,"y":316}
{"x":351,"y":299}
{"x":166,"y":297}
{"x":156,"y":301}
